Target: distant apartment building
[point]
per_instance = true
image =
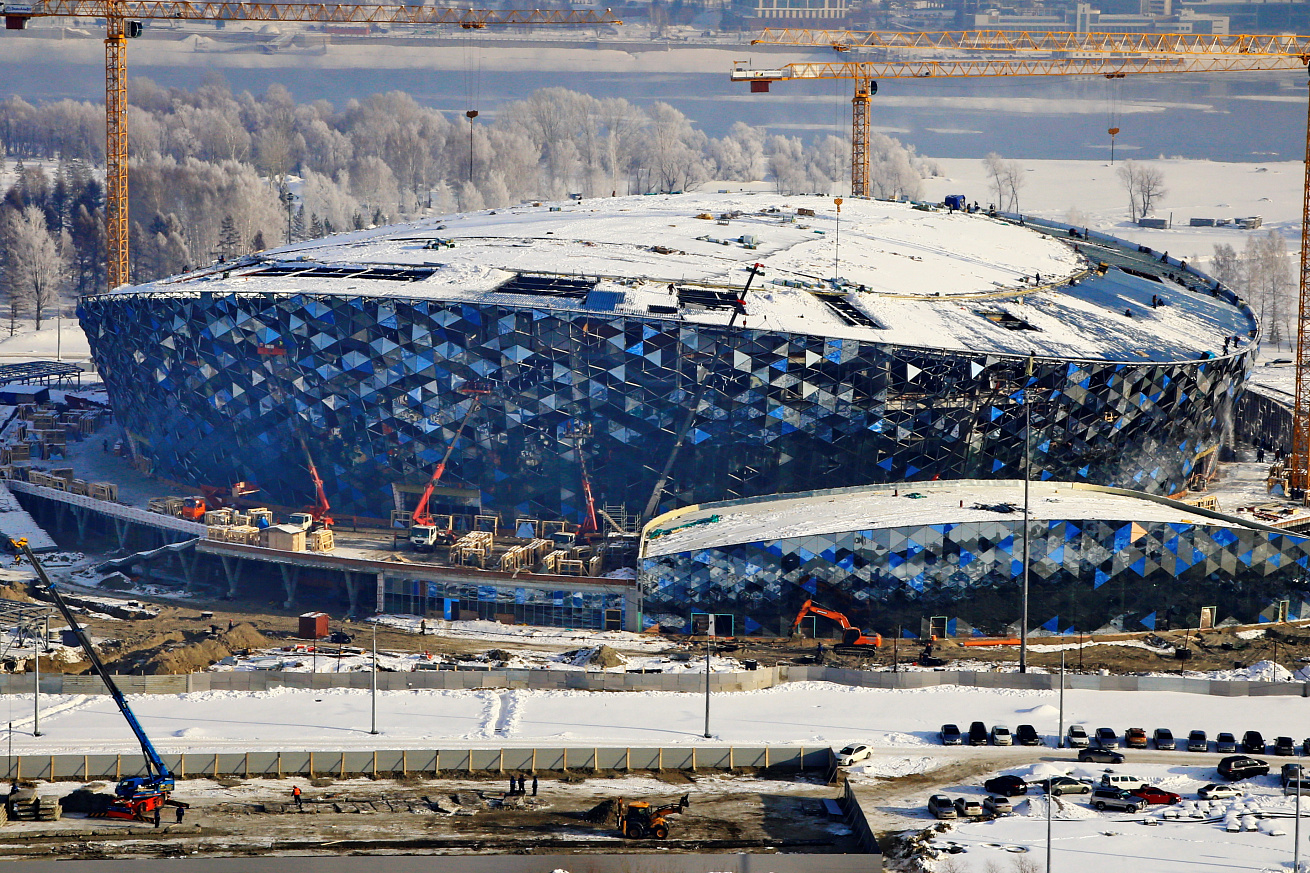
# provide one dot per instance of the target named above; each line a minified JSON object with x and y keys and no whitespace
{"x":1146,"y":16}
{"x":800,"y":10}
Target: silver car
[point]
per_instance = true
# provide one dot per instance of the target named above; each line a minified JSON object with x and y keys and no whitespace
{"x":941,"y":806}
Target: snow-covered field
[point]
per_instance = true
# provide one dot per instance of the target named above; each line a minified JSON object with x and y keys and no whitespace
{"x":798,"y":713}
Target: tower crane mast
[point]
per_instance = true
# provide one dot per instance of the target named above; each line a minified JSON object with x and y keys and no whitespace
{"x":123,"y":20}
{"x":986,"y":53}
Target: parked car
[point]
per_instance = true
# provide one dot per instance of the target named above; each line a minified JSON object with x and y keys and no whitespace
{"x":1305,"y":746}
{"x":1225,"y":744}
{"x":1007,"y":785}
{"x":1001,"y":736}
{"x":1151,"y":794}
{"x":1027,"y":735}
{"x":1284,"y":746}
{"x":977,"y":734}
{"x":1100,"y":756}
{"x":1126,"y":781}
{"x":1058,"y":785}
{"x":997,"y":805}
{"x":1197,"y":741}
{"x":1116,"y":798}
{"x":1135,"y":738}
{"x":1294,"y":779}
{"x":1242,"y":767}
{"x":968,"y":806}
{"x":1253,"y":743}
{"x":1219,"y":791}
{"x":1076,"y":737}
{"x":854,"y":753}
{"x":1106,"y":738}
{"x":1164,"y":739}
{"x":950,"y":735}
{"x":941,"y":806}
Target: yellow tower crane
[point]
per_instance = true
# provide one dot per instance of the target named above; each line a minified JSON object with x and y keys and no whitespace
{"x":983,"y":53}
{"x":123,"y":20}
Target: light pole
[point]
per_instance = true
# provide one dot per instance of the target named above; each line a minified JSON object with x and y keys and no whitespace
{"x":1296,"y":827}
{"x":36,"y":696}
{"x":1059,"y":739}
{"x":836,"y":254}
{"x":709,"y":643}
{"x":374,"y":697}
{"x":1027,"y":474}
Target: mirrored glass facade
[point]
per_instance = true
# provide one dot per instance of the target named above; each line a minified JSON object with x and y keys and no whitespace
{"x":216,"y":388}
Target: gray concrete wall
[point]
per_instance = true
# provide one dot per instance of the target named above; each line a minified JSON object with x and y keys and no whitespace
{"x":429,"y":762}
{"x":264,"y":680}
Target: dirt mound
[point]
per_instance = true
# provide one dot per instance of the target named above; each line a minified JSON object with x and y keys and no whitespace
{"x":186,"y":658}
{"x":602,"y":812}
{"x":84,"y":800}
{"x":601,"y":656}
{"x":244,"y":636}
{"x":16,"y":591}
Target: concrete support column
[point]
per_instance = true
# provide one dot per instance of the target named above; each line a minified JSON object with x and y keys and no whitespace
{"x":378,"y":607}
{"x":632,"y":609}
{"x":290,"y":577}
{"x":190,"y":561}
{"x":121,"y":530}
{"x":352,"y":592}
{"x":232,"y":572}
{"x":81,"y":515}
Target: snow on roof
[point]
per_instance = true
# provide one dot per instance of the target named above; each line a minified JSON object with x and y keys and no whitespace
{"x":908,"y":276}
{"x":907,"y":505}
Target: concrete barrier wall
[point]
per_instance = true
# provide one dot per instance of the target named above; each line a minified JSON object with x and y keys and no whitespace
{"x":720,"y":683}
{"x":430,"y":762}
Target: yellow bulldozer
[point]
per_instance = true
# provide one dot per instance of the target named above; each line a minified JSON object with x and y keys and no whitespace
{"x":638,"y":820}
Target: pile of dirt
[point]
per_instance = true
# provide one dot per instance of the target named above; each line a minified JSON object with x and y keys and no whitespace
{"x":187,"y":658}
{"x":85,"y":800}
{"x":244,"y":636}
{"x":602,"y":812}
{"x":16,"y":591}
{"x":600,"y":656}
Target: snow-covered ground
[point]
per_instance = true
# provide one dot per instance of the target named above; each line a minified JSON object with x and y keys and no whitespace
{"x":798,"y":713}
{"x":1089,"y":194}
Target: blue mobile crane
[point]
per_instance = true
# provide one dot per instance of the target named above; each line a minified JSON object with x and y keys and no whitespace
{"x":135,"y":797}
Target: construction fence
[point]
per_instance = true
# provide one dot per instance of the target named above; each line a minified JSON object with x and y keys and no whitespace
{"x":431,"y":763}
{"x":577,"y":680}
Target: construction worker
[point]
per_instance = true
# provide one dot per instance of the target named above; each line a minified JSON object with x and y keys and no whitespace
{"x":534,"y":784}
{"x":181,"y":813}
{"x":295,"y":795}
{"x":157,"y":817}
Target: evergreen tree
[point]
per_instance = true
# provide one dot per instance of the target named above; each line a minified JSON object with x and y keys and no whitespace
{"x":257,"y":244}
{"x":229,"y":239}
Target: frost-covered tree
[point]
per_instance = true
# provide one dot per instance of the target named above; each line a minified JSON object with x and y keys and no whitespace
{"x":34,"y":266}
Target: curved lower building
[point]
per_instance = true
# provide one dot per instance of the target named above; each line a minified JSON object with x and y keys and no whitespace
{"x":682,"y":349}
{"x":888,"y":557}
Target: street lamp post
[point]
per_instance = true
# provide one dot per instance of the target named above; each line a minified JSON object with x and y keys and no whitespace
{"x":374,"y":696}
{"x":1027,"y":475}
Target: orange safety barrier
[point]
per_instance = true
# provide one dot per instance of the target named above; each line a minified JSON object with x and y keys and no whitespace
{"x":991,"y":642}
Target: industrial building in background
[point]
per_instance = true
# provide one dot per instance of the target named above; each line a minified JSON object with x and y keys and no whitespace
{"x":885,"y":343}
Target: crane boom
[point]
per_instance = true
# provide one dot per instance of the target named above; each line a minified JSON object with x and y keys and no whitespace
{"x":1041,"y":41}
{"x":159,"y":778}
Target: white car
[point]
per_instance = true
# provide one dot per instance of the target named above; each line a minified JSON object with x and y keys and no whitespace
{"x":1077,"y":737}
{"x":1001,"y":736}
{"x":853,"y":753}
{"x":1216,"y":791}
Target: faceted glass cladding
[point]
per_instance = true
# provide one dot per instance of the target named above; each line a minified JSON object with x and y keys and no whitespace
{"x":220,"y":388}
{"x":1082,"y":575}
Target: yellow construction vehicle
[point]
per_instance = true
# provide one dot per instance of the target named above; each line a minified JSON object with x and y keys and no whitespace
{"x":638,"y":819}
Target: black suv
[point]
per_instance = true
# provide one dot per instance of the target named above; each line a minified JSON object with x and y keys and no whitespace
{"x":1242,"y":767}
{"x":1026,"y":734}
{"x":978,"y":735}
{"x":1100,"y":756}
{"x":1253,"y":743}
{"x":1284,"y":746}
{"x":1007,"y":785}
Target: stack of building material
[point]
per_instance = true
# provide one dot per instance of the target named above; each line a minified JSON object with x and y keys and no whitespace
{"x":26,"y":805}
{"x":473,"y":548}
{"x":321,"y":540}
{"x":257,"y":513}
{"x":104,"y":491}
{"x":218,"y":516}
{"x":244,"y":534}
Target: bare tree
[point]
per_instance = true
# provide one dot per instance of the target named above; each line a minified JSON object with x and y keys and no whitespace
{"x":34,"y":265}
{"x":1014,"y":182}
{"x":1129,"y":173}
{"x":994,"y":164}
{"x":1006,"y":179}
{"x":1226,"y":266}
{"x":1150,"y":188}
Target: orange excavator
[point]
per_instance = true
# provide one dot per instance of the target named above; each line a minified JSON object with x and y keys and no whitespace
{"x":638,"y":819}
{"x":853,"y":641}
{"x":424,"y":534}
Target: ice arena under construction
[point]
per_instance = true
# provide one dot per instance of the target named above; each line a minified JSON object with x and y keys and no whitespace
{"x":676,"y":350}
